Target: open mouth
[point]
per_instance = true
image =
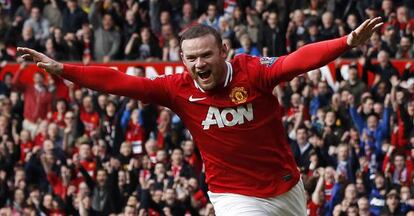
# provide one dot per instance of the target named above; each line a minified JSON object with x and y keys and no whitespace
{"x":204,"y":74}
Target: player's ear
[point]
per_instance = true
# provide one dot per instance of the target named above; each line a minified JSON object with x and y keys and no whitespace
{"x":224,"y":50}
{"x":181,"y":56}
{"x":183,"y":59}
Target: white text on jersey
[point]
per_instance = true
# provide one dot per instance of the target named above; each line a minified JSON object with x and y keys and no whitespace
{"x":228,"y":116}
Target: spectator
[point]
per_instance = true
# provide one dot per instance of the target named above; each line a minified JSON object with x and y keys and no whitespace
{"x":384,"y":70}
{"x":73,"y":129}
{"x":53,"y":14}
{"x":252,"y":23}
{"x":6,"y":84}
{"x":172,"y":51}
{"x":272,"y":40}
{"x":27,"y":38}
{"x":86,"y":41}
{"x":107,"y":40}
{"x":372,"y":131}
{"x":259,"y":8}
{"x":329,"y":30}
{"x":237,"y":17}
{"x":164,"y":130}
{"x":131,"y":123}
{"x":247,"y":47}
{"x":58,"y":115}
{"x":191,"y":155}
{"x":313,"y":35}
{"x":405,"y":49}
{"x":351,"y":22}
{"x":58,"y":39}
{"x":105,"y":191}
{"x":167,"y":33}
{"x":89,"y":116}
{"x":392,"y":204}
{"x":51,"y":50}
{"x":38,"y":24}
{"x":302,"y":148}
{"x":363,"y":206}
{"x":131,"y":24}
{"x":72,"y":17}
{"x":37,"y":99}
{"x":322,"y":95}
{"x":110,"y":127}
{"x":225,"y":29}
{"x":156,"y":8}
{"x":23,"y":11}
{"x":387,"y":8}
{"x":354,"y":85}
{"x":296,"y":30}
{"x":143,"y":46}
{"x":187,"y":18}
{"x":376,"y":45}
{"x":211,"y":18}
{"x":404,"y":23}
{"x":178,"y":166}
{"x":389,"y":39}
{"x":404,"y":114}
{"x":101,"y":104}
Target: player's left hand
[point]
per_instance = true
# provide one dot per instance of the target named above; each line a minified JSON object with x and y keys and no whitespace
{"x":42,"y":61}
{"x":364,"y":31}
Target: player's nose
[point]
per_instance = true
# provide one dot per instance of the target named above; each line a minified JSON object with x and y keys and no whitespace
{"x":200,"y":63}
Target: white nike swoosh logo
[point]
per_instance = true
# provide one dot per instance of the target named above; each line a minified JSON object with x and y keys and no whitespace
{"x":191,"y":99}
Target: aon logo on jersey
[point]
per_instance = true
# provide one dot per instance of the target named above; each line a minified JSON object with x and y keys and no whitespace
{"x":228,"y":116}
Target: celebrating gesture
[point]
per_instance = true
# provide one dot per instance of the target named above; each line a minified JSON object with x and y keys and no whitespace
{"x":230,"y":111}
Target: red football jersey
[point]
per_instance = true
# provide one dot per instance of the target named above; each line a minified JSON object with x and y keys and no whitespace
{"x":237,"y":126}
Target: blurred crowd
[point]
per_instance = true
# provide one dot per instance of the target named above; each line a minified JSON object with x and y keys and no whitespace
{"x":104,"y":30}
{"x":67,"y":150}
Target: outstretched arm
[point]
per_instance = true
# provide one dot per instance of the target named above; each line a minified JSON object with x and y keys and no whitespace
{"x":319,"y":54}
{"x":105,"y":79}
{"x":314,"y":55}
{"x":111,"y":81}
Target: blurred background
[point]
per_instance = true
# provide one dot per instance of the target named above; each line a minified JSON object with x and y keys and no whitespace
{"x":68,"y":150}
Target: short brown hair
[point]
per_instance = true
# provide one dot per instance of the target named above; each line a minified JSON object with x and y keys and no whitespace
{"x":200,"y":31}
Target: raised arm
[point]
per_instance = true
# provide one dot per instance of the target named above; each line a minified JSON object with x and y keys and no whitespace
{"x":105,"y":79}
{"x":385,"y":123}
{"x":356,"y":118}
{"x":316,"y":198}
{"x":16,"y":83}
{"x":313,"y":56}
{"x":319,"y":54}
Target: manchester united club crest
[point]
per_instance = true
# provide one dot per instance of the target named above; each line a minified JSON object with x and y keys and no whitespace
{"x":238,"y":95}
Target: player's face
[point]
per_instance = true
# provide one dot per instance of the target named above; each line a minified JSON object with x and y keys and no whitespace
{"x":204,"y":60}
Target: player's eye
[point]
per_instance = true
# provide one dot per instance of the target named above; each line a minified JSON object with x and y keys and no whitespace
{"x":208,"y":55}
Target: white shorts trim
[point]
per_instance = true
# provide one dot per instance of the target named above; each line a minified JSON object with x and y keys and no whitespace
{"x":291,"y":203}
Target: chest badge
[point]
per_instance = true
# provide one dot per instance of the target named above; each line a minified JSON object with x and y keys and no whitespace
{"x":238,"y":95}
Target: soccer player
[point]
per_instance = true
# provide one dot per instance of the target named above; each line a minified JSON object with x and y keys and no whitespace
{"x":230,"y":111}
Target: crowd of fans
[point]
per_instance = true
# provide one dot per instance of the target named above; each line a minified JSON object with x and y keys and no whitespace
{"x":67,"y":150}
{"x":104,"y":30}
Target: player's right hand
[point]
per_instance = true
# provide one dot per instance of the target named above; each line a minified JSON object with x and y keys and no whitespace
{"x":42,"y":61}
